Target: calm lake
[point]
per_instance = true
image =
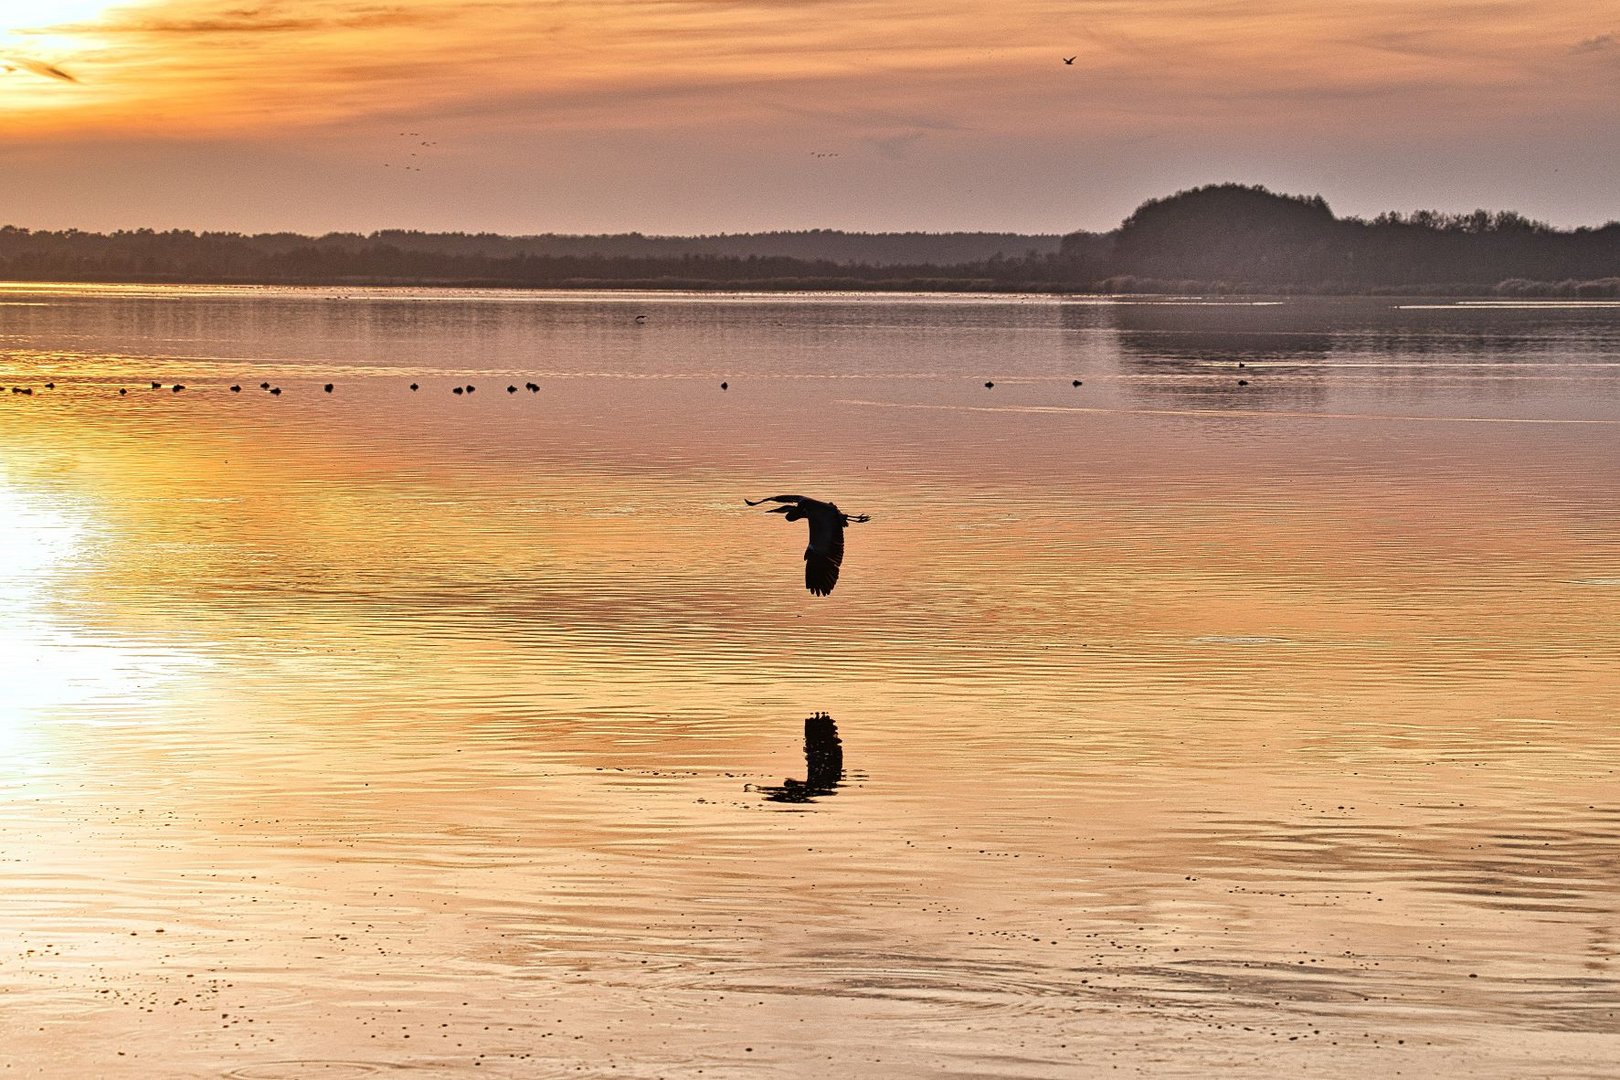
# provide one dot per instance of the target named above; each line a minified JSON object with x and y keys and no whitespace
{"x":1247,"y":710}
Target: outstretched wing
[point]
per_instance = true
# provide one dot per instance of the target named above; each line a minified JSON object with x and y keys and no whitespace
{"x":775,"y":498}
{"x":824,"y":555}
{"x":820,"y":573}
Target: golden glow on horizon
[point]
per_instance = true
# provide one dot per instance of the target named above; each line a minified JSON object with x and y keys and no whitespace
{"x":30,"y":15}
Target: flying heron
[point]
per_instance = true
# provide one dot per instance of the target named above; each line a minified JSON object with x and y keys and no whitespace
{"x":826,"y":551}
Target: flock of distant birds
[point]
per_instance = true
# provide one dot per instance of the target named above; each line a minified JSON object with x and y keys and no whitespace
{"x":823,"y":557}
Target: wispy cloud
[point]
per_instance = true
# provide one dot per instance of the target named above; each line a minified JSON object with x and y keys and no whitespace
{"x":213,"y":65}
{"x":1600,"y":43}
{"x":262,"y":19}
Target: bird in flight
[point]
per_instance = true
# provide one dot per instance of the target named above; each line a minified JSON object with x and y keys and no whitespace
{"x":1071,"y":59}
{"x":826,"y":551}
{"x":38,"y":67}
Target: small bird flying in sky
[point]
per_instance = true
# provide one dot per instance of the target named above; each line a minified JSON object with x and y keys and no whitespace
{"x":826,"y":551}
{"x":1071,"y":59}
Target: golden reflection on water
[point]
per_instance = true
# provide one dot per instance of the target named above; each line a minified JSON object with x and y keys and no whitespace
{"x":440,"y":732}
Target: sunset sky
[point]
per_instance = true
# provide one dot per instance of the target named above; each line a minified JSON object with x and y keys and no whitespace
{"x":679,"y":116}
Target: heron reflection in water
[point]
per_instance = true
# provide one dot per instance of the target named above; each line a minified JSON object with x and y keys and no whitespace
{"x":823,"y":764}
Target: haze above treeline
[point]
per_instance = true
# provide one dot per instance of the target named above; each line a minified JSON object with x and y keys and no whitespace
{"x":1228,"y":238}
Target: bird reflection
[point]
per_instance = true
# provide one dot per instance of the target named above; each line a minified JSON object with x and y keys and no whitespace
{"x":823,"y":764}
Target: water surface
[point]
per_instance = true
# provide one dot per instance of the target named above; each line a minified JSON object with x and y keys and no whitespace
{"x":1248,"y":709}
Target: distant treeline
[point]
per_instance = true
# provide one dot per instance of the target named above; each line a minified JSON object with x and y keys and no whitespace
{"x":390,"y":256}
{"x":1224,"y":238}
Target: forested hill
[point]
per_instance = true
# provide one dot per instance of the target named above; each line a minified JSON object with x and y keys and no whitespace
{"x":1221,"y":238}
{"x":1229,"y":237}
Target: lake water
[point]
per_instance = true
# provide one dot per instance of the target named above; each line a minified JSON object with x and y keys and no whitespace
{"x":1187,"y":727}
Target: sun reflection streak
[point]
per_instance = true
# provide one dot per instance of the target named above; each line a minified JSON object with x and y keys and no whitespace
{"x":50,"y":663}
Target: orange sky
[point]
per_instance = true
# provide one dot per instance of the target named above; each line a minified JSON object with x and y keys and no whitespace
{"x":707,"y":115}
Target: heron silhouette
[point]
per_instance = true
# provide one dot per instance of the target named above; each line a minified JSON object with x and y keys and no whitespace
{"x":823,"y":764}
{"x":826,"y":551}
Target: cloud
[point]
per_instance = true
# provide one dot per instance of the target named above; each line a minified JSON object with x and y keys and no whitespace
{"x":879,"y":70}
{"x":1601,"y":43}
{"x":263,"y":19}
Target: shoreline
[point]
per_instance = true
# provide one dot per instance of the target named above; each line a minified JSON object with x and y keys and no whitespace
{"x":1600,"y":289}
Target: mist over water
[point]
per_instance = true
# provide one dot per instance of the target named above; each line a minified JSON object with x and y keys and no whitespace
{"x":1247,"y":709}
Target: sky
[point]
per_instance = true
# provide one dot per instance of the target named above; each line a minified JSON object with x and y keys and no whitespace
{"x":697,"y":116}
